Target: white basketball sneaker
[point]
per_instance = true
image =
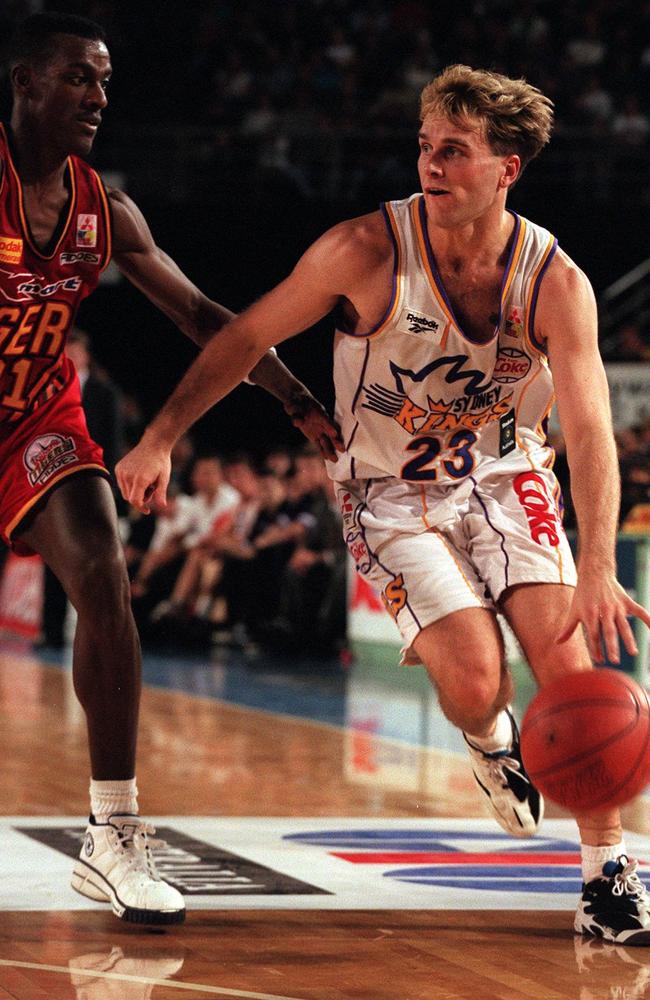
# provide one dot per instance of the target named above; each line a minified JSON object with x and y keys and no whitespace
{"x":516,"y":804}
{"x":116,"y":866}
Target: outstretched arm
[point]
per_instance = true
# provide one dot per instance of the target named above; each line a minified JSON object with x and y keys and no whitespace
{"x":327,"y":270}
{"x":567,"y":319}
{"x":156,"y":275}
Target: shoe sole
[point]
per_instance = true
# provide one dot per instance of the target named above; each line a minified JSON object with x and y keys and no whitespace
{"x":589,"y":929}
{"x":90,"y":883}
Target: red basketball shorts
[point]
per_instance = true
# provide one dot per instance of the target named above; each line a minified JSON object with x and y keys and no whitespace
{"x":37,"y":452}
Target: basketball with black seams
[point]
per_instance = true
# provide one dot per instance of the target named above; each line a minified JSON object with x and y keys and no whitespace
{"x":585,"y":740}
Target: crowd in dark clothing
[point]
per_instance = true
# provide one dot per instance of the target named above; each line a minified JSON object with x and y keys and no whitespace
{"x":633,"y":445}
{"x":305,"y":88}
{"x":243,"y":556}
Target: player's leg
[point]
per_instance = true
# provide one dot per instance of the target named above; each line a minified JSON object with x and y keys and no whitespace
{"x":428,"y":583}
{"x":75,"y":531}
{"x":464,"y":657}
{"x":614,"y":903}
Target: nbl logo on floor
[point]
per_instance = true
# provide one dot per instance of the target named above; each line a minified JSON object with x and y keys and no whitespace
{"x":319,"y":863}
{"x":460,"y":859}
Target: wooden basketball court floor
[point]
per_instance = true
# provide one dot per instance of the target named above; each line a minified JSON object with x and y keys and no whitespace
{"x":328,"y":820}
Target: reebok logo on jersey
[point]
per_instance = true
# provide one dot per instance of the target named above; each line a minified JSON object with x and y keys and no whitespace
{"x":417,"y":323}
{"x":79,"y":257}
{"x":11,"y":249}
{"x":86,"y":230}
{"x":414,"y":321}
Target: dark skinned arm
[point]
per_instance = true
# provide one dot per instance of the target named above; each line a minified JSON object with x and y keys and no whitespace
{"x":159,"y":278}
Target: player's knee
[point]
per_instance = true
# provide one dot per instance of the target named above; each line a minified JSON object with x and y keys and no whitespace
{"x":100,"y":583}
{"x":468,"y":695}
{"x":550,"y":662}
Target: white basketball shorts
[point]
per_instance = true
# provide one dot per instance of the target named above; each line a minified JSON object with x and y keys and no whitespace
{"x":429,"y":550}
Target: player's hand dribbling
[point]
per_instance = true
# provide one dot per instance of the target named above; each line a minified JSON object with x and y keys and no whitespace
{"x":602,"y":605}
{"x":314,"y":422}
{"x":143,"y":476}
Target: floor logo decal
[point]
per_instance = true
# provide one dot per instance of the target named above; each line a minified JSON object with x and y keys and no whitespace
{"x":318,"y":864}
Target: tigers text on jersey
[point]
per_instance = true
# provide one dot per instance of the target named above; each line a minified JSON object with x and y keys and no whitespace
{"x":418,"y":399}
{"x":40,"y":292}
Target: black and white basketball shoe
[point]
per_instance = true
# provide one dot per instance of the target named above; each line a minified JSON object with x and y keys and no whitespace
{"x":615,"y":906}
{"x":515,"y":802}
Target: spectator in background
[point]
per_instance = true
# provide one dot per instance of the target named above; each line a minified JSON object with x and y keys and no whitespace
{"x":101,"y":404}
{"x":179,"y":527}
{"x":630,"y":126}
{"x":312,"y":608}
{"x":631,"y":344}
{"x":248,"y":590}
{"x":194,"y":591}
{"x":100,"y":399}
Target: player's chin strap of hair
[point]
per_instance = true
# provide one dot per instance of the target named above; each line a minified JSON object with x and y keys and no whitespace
{"x":271,"y":350}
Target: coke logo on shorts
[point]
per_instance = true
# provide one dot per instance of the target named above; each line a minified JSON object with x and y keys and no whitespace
{"x":359,"y":551}
{"x":540,"y":509}
{"x":511,"y":365}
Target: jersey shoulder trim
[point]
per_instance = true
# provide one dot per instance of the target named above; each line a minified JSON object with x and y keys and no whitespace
{"x":533,"y":294}
{"x":392,"y":227}
{"x":108,"y":220}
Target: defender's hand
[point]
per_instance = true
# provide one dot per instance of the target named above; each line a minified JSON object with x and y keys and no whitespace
{"x":602,"y":606}
{"x":312,"y":419}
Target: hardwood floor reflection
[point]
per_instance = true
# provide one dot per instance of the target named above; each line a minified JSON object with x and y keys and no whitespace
{"x":201,"y":757}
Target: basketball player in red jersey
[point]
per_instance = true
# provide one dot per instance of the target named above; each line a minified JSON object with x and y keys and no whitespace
{"x":59,"y":228}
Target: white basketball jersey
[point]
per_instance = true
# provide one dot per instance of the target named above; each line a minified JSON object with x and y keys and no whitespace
{"x":418,"y":399}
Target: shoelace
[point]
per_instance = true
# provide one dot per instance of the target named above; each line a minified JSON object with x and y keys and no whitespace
{"x":494,"y":765}
{"x":142,"y":841}
{"x":628,"y":882}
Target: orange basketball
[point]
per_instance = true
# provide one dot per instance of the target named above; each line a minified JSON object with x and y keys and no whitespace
{"x":585,"y":739}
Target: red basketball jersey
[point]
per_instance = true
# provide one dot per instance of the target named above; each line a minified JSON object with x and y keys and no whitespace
{"x":40,"y":292}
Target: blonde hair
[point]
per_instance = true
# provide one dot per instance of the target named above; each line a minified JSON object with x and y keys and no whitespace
{"x":514,"y":116}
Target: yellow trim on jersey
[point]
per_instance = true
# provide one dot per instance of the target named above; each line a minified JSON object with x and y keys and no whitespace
{"x":398,"y":277}
{"x":107,"y":222}
{"x":3,"y":165}
{"x":425,"y":509}
{"x":531,"y":291}
{"x":514,"y":260}
{"x":424,"y":259}
{"x":23,"y":217}
{"x":521,"y":399}
{"x":539,"y":429}
{"x":15,"y":521}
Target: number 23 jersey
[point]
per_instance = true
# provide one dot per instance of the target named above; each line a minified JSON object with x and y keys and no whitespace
{"x":418,"y":399}
{"x":40,"y":291}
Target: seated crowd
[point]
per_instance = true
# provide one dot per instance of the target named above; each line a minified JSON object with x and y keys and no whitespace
{"x":242,"y":555}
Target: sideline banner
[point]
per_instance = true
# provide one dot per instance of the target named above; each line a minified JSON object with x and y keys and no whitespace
{"x":21,"y":595}
{"x":629,"y":390}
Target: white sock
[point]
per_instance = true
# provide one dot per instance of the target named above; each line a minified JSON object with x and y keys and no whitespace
{"x":499,"y":739}
{"x":593,"y":858}
{"x":108,"y":797}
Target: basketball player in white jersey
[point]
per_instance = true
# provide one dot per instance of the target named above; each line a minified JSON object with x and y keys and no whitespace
{"x":452,"y":313}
